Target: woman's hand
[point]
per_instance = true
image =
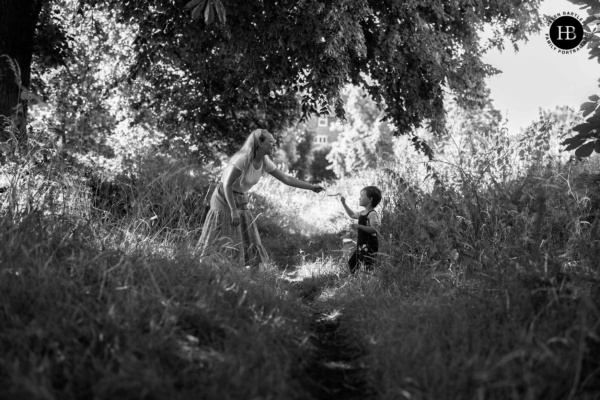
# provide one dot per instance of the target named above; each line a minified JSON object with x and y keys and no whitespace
{"x":354,"y":227}
{"x":235,"y":218}
{"x":317,"y":188}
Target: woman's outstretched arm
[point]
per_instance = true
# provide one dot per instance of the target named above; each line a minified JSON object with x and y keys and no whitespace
{"x":295,"y":182}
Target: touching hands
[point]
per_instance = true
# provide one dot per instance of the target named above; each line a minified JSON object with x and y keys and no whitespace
{"x":235,"y":218}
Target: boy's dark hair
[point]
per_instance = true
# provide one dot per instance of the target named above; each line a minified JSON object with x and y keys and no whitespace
{"x":374,"y":194}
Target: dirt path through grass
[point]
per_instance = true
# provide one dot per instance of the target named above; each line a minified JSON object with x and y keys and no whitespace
{"x":336,"y":369}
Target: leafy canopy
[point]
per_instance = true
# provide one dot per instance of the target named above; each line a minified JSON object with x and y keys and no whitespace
{"x":239,"y":65}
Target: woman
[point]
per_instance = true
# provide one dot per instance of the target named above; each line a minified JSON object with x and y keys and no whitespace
{"x":230,"y":228}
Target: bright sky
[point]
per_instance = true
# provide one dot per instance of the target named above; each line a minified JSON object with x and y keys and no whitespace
{"x":538,"y":76}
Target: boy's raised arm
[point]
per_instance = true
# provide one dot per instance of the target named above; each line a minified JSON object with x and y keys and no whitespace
{"x":350,"y":213}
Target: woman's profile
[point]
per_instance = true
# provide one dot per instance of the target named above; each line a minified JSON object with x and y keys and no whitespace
{"x":230,"y":229}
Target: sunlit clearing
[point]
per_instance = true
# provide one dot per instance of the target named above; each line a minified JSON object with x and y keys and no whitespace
{"x":305,"y":212}
{"x":324,"y":266}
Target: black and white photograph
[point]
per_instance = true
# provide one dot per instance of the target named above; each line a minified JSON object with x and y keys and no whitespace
{"x":299,"y":200}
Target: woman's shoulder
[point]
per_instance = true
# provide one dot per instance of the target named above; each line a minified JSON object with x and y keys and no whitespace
{"x":239,"y":160}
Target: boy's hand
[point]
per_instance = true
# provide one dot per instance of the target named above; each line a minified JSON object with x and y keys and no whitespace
{"x":354,"y":226}
{"x":343,"y":199}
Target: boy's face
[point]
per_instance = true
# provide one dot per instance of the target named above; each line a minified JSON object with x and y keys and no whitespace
{"x":364,"y":200}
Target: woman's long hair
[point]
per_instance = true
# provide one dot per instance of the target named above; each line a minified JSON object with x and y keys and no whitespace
{"x":248,"y":150}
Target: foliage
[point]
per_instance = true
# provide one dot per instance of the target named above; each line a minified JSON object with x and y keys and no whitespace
{"x":502,"y":266}
{"x":213,"y":82}
{"x":484,"y":155}
{"x":484,"y":119}
{"x":487,"y":283}
{"x":200,"y":92}
{"x":89,"y":117}
{"x":365,"y":140}
{"x":496,"y":184}
{"x":542,"y":138}
{"x":587,"y":139}
{"x":298,"y":153}
{"x":506,"y":272}
{"x":18,"y":24}
{"x":107,"y":324}
{"x":320,"y":168}
{"x":507,"y":334}
{"x":52,"y":42}
{"x":207,"y":8}
{"x":95,"y":307}
{"x":304,"y":143}
{"x":295,"y":150}
{"x":225,"y":78}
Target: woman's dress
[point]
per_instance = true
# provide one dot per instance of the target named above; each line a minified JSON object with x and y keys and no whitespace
{"x":241,"y":244}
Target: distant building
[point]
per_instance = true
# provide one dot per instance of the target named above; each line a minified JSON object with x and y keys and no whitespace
{"x":325,"y":133}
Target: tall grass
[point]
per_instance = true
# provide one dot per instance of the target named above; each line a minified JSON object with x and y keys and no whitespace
{"x":487,"y":287}
{"x":98,"y":304}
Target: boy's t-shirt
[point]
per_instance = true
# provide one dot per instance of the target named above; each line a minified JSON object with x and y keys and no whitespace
{"x":373,"y":219}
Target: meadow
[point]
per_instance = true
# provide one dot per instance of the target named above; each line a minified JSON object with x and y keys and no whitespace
{"x":486,"y":287}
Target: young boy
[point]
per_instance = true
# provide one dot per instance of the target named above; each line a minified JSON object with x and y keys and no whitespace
{"x":367,"y":243}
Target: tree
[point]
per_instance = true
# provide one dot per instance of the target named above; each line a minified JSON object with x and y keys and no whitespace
{"x":89,"y":111}
{"x":481,"y":152}
{"x":18,"y":19}
{"x":587,"y":139}
{"x":321,"y":168}
{"x":413,"y":52}
{"x":296,"y":146}
{"x":469,"y":130}
{"x":199,"y":87}
{"x":214,"y":80}
{"x":365,"y":140}
{"x":540,"y":141}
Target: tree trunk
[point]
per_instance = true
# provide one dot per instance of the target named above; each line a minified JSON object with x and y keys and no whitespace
{"x":18,"y":20}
